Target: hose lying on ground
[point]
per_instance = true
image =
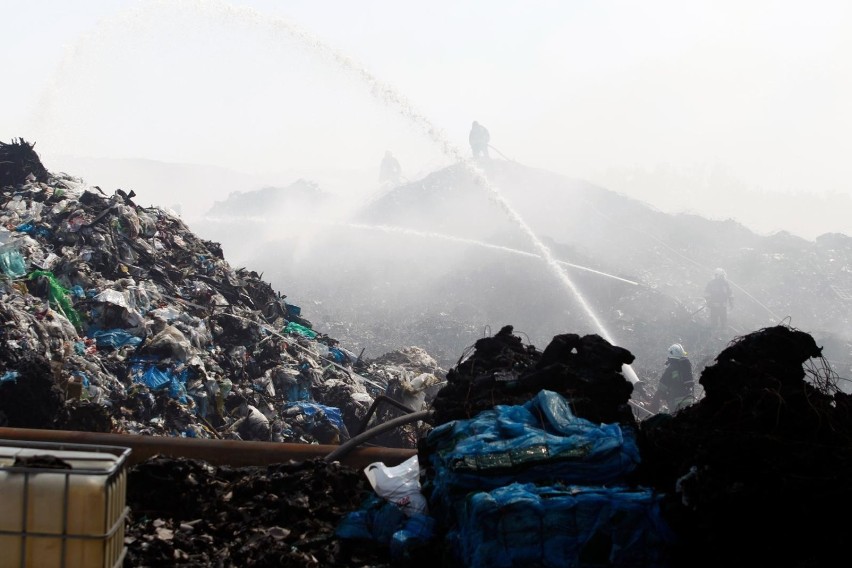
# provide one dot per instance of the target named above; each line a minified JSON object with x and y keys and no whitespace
{"x":356,"y":441}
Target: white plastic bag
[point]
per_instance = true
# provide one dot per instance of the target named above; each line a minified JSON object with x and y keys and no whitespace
{"x":398,"y":484}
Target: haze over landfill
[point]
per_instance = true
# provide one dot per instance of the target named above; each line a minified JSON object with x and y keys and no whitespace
{"x":725,"y":109}
{"x":229,"y":155}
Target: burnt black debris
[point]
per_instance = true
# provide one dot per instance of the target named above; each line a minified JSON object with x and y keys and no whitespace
{"x":18,"y":162}
{"x":29,"y":397}
{"x":756,"y":470}
{"x":188,"y":513}
{"x":502,"y":370}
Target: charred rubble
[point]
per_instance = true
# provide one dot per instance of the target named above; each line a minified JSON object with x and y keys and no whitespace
{"x":758,"y":468}
{"x":18,"y":162}
{"x":188,"y":513}
{"x":502,"y":370}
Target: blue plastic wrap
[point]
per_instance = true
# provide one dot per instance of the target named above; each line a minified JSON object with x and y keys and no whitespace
{"x":561,"y":526}
{"x":541,"y":441}
{"x":310,"y":409}
{"x":115,"y":338}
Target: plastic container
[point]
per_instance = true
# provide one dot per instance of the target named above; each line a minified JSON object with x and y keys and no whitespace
{"x":68,"y":516}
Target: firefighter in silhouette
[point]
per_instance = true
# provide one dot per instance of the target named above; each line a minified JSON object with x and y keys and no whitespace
{"x":390,"y":171}
{"x":677,"y":384}
{"x":719,"y":299}
{"x":479,"y":139}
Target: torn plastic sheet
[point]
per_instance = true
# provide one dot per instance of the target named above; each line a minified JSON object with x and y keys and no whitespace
{"x":115,"y":338}
{"x":145,"y":370}
{"x":310,"y":409}
{"x":295,"y":328}
{"x":114,"y":297}
{"x":11,"y":261}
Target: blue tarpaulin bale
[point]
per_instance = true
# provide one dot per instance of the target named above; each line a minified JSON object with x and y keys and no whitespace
{"x":297,"y":387}
{"x":541,"y":441}
{"x":337,"y":355}
{"x":376,"y":520}
{"x":297,"y":391}
{"x":417,"y":533}
{"x":561,"y":527}
{"x":177,"y":388}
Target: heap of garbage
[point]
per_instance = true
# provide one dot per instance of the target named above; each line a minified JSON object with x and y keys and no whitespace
{"x":118,"y":318}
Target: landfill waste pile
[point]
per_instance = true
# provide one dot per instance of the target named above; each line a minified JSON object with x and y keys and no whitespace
{"x":117,"y":318}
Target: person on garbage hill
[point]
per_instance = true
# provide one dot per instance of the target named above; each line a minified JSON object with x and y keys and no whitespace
{"x":677,"y":384}
{"x":479,"y":138}
{"x":719,"y":299}
{"x":390,"y":171}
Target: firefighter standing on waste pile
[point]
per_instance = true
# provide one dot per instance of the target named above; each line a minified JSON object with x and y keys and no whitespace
{"x":479,"y":138}
{"x":677,"y":384}
{"x":719,"y":299}
{"x":390,"y":171}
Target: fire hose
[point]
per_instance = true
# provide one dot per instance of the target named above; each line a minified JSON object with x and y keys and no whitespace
{"x":356,"y":441}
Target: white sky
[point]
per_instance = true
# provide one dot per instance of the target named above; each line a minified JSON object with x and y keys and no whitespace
{"x":721,"y":107}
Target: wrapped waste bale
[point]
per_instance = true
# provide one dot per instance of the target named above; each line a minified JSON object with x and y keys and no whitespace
{"x":541,"y":441}
{"x":561,"y":527}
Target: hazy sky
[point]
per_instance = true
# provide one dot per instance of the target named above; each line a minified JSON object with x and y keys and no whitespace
{"x":720,"y":107}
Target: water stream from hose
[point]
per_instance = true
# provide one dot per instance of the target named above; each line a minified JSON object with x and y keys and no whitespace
{"x":462,"y":240}
{"x":392,"y":99}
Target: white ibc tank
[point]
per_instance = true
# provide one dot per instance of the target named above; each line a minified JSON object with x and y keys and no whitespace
{"x":63,"y":505}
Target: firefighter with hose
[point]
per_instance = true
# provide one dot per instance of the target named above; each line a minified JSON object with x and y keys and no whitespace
{"x":719,"y":299}
{"x":479,"y":138}
{"x":677,"y":384}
